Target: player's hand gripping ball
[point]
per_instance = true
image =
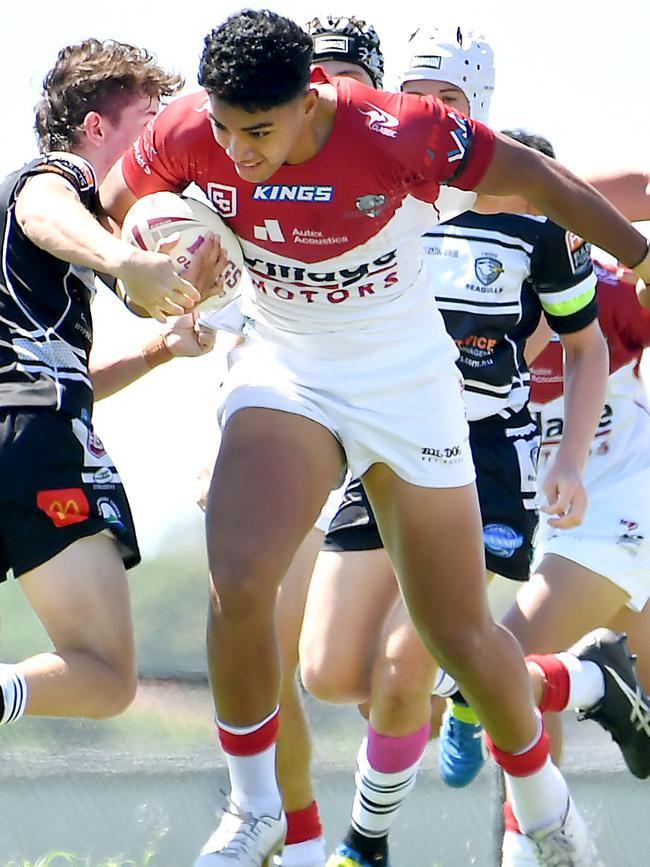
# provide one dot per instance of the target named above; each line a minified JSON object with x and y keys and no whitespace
{"x":160,"y":218}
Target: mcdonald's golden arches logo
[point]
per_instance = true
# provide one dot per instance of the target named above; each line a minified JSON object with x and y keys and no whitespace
{"x":64,"y":506}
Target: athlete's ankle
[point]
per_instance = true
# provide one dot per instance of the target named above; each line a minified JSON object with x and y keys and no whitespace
{"x":374,"y":849}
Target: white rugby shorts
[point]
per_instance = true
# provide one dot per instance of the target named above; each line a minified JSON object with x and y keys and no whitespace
{"x":613,"y":540}
{"x":397,"y":403}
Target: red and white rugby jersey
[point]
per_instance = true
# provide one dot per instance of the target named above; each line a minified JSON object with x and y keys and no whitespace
{"x":621,"y":445}
{"x":332,"y":244}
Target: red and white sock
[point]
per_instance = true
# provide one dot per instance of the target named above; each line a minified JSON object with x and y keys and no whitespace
{"x":305,"y":844}
{"x":250,"y":753}
{"x":569,"y":682}
{"x":539,"y":792}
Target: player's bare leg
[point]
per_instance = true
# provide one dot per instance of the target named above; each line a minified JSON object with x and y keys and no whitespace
{"x":399,"y":728}
{"x":350,"y":595}
{"x":305,"y":844}
{"x":81,"y":598}
{"x":272,"y":476}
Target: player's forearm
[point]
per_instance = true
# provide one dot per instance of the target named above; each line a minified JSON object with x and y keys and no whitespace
{"x":64,"y":228}
{"x":586,"y":369}
{"x":109,"y":377}
{"x":579,"y":207}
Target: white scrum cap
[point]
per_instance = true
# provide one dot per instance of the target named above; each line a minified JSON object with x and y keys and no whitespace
{"x":464,"y":60}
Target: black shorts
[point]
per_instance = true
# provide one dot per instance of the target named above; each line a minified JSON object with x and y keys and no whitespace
{"x":58,"y":485}
{"x":505,"y":455}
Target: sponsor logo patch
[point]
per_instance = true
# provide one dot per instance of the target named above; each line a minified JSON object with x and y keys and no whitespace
{"x":224,"y":198}
{"x":501,"y":540}
{"x":64,"y":506}
{"x":314,"y":236}
{"x":371,"y":205}
{"x":460,"y":135}
{"x":448,"y":455}
{"x":270,"y":231}
{"x":95,"y":445}
{"x":488,"y":269}
{"x":579,"y":251}
{"x":292,"y":193}
{"x":109,"y":511}
{"x":426,"y":61}
{"x":380,"y":121}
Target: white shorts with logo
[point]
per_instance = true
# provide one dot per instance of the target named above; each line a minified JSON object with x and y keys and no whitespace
{"x":395,"y":403}
{"x":613,"y":540}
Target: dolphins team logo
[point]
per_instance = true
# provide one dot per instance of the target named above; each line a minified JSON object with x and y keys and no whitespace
{"x":488,"y":269}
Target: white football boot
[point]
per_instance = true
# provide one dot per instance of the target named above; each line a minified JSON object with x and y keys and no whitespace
{"x":567,"y":843}
{"x":244,"y":840}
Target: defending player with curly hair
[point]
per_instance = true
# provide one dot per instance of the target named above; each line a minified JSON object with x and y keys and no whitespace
{"x":95,"y":76}
{"x":256,"y":60}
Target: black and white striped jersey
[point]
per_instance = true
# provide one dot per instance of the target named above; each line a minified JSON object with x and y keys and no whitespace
{"x":45,"y":323}
{"x":492,"y":276}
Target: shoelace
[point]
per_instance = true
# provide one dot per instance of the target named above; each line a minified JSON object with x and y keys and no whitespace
{"x":639,"y":710}
{"x":248,"y":831}
{"x":555,"y":848}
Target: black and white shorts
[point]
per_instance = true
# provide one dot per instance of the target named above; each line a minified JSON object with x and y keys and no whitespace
{"x":505,"y":456}
{"x":58,"y":485}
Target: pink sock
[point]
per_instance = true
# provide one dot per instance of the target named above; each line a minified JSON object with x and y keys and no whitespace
{"x":388,"y":755}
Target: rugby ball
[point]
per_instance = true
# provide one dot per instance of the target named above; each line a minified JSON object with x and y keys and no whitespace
{"x":159,"y":217}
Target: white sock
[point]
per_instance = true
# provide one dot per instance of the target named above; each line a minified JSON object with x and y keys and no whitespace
{"x":539,"y":799}
{"x":14,"y":694}
{"x":587,"y":681}
{"x":444,"y":685}
{"x":253,"y":785}
{"x":309,"y":853}
{"x":379,"y":796}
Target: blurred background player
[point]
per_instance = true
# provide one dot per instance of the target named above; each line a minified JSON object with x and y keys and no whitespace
{"x":525,"y":263}
{"x":598,"y":573}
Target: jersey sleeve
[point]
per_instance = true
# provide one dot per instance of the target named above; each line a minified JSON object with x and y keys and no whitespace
{"x":458,"y":149}
{"x":563,"y":276}
{"x":74,"y":170}
{"x":156,"y":159}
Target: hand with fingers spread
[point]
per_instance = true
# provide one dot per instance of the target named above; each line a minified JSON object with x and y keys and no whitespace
{"x":152,"y":283}
{"x":565,"y":496}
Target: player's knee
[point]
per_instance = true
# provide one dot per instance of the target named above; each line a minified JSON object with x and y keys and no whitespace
{"x":243,"y":591}
{"x":401,"y":686}
{"x":333,"y":683}
{"x":461,"y":651}
{"x":116,"y":696}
